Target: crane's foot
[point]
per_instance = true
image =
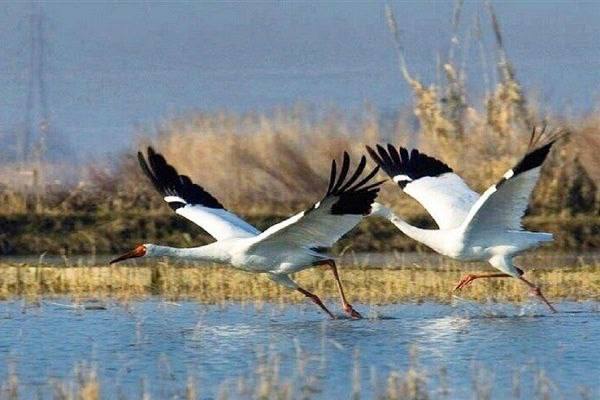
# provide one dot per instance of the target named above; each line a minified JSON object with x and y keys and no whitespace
{"x":465,"y":281}
{"x":352,"y":313}
{"x":538,"y":293}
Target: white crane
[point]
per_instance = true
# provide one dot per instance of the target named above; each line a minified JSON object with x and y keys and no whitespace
{"x":290,"y":246}
{"x":471,"y":227}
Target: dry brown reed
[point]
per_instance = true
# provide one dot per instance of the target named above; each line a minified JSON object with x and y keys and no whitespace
{"x":507,"y":106}
{"x":443,"y":108}
{"x":214,"y":284}
{"x":440,"y":116}
{"x":276,"y":166}
{"x":265,"y":168}
{"x":84,"y":386}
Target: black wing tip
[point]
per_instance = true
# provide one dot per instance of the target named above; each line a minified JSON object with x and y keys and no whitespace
{"x":414,"y":165}
{"x":338,"y":183}
{"x":151,"y":154}
{"x":540,"y":135}
{"x":142,"y":160}
{"x":533,"y":159}
{"x":539,"y":147}
{"x":357,"y":204}
{"x":355,"y":194}
{"x":374,"y":156}
{"x":169,"y":182}
{"x":540,"y":144}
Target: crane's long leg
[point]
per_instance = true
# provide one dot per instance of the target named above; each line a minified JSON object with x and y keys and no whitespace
{"x":345,"y":305}
{"x":536,"y":290}
{"x":467,"y":279}
{"x":315,"y":300}
{"x":286,"y":281}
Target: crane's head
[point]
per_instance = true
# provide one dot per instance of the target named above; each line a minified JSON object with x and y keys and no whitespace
{"x":140,"y":251}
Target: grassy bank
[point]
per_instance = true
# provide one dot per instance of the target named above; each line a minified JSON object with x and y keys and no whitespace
{"x":213,"y":284}
{"x":82,"y":233}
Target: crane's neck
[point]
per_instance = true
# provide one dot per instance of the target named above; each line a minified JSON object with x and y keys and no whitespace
{"x":428,"y":237}
{"x":208,"y":253}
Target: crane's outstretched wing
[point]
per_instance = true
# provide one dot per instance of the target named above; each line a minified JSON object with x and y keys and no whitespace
{"x":445,"y":196}
{"x":192,"y":201}
{"x":502,"y":206}
{"x":346,"y":202}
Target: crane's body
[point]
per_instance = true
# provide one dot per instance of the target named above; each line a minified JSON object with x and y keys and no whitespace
{"x":498,"y":250}
{"x":290,"y":246}
{"x":242,"y":254}
{"x":472,"y":227}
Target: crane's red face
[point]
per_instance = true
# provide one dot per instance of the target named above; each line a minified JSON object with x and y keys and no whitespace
{"x":139,"y":251}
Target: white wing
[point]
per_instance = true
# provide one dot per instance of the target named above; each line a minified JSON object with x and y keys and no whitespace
{"x":503,"y":205}
{"x":342,"y":208}
{"x":192,"y":201}
{"x":445,"y":196}
{"x":310,"y":229}
{"x":218,"y":222}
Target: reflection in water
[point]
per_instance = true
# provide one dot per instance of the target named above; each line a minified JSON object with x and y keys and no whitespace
{"x":440,"y":329}
{"x":165,"y":344}
{"x":440,"y":334}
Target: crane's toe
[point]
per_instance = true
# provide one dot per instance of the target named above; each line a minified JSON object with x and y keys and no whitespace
{"x":536,"y":291}
{"x":352,"y":312}
{"x":465,"y":281}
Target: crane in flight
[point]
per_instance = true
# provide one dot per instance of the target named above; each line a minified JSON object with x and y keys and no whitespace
{"x":292,"y":245}
{"x":471,"y":227}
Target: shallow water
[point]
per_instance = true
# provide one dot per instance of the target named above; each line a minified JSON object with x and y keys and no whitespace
{"x":163,"y":344}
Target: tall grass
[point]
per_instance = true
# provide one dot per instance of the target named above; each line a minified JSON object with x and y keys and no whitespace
{"x":266,"y":168}
{"x":258,"y":164}
{"x":213,"y":284}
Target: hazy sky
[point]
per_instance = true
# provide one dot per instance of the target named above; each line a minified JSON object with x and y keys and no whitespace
{"x":111,"y":66}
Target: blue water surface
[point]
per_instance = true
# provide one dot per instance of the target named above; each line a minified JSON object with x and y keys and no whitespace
{"x":156,"y":347}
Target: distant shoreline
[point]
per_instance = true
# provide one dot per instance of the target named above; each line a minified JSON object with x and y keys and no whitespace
{"x":86,"y":234}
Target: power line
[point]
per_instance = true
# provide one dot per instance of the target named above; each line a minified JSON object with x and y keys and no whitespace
{"x":37,"y":117}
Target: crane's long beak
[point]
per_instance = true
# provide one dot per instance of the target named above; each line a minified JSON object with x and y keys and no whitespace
{"x":139,"y":251}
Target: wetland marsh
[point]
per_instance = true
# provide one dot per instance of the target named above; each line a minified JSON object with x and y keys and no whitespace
{"x":75,"y":328}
